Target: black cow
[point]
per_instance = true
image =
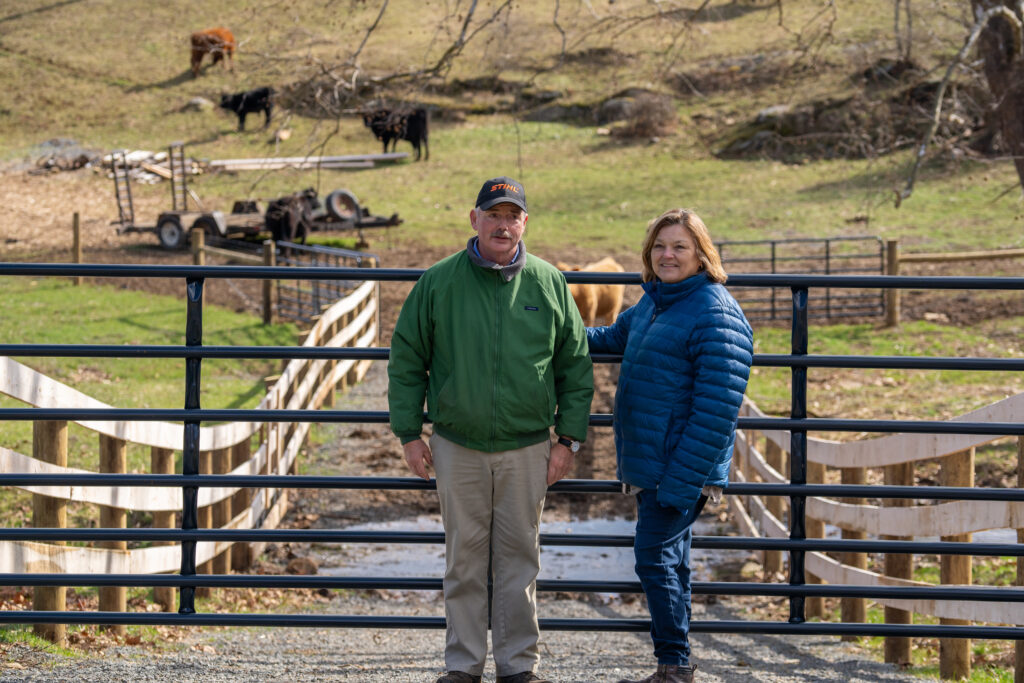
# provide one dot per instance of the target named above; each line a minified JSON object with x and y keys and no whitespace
{"x":290,"y":218}
{"x":249,"y":102}
{"x":391,"y":126}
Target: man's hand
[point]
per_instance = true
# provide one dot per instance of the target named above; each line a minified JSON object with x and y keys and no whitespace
{"x":418,"y":458}
{"x":560,"y":463}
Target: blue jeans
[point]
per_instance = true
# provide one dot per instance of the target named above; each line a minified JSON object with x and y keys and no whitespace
{"x":662,"y":550}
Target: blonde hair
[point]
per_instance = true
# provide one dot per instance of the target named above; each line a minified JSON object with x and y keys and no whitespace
{"x":707,"y":254}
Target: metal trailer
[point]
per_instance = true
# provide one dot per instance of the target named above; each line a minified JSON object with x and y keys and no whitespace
{"x":340,"y":211}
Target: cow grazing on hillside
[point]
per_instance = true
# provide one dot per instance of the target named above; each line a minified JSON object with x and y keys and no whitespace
{"x":391,"y":126}
{"x":218,"y":42}
{"x":249,"y":102}
{"x":597,"y":301}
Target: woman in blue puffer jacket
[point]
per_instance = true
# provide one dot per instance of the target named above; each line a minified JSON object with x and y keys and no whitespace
{"x":687,"y":350}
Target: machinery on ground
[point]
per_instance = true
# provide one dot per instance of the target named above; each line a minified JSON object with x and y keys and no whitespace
{"x":289,"y":218}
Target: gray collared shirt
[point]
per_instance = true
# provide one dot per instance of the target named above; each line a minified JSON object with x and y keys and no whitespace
{"x":507,"y":272}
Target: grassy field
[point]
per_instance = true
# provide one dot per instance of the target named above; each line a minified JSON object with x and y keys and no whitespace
{"x":585,"y":189}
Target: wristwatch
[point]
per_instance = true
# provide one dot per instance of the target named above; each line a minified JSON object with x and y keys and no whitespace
{"x":571,"y":444}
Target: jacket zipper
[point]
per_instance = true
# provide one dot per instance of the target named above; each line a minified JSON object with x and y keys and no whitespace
{"x":497,"y":360}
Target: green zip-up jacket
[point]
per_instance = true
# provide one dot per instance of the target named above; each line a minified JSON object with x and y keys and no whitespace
{"x":495,"y":359}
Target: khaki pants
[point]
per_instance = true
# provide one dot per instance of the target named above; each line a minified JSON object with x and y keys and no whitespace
{"x":491,"y":502}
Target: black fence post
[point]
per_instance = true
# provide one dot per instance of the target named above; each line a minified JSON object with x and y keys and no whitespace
{"x":798,"y":453}
{"x":190,"y":446}
{"x":828,"y":271}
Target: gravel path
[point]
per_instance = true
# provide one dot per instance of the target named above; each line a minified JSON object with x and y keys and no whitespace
{"x":394,"y":656}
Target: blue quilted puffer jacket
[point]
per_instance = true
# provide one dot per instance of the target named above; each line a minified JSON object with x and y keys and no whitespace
{"x":687,"y":350}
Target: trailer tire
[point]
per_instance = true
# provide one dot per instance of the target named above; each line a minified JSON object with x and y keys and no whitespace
{"x":343,"y":206}
{"x":170,"y":233}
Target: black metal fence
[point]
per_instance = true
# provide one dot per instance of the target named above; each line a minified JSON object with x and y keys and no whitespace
{"x":797,"y":424}
{"x":300,"y":299}
{"x":863,"y":255}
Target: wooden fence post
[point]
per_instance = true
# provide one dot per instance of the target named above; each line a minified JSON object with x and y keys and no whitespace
{"x":198,"y":244}
{"x":955,"y":653}
{"x":269,"y":259}
{"x":350,"y":377}
{"x":815,"y":606}
{"x":900,"y":566}
{"x":328,"y":369}
{"x":743,"y":463}
{"x":76,"y":245}
{"x":50,"y":444}
{"x":1018,"y":675}
{"x":240,"y":453}
{"x":854,"y":610}
{"x":162,"y":462}
{"x":113,"y":460}
{"x":205,"y":522}
{"x":222,"y":510}
{"x":892,"y":296}
{"x":774,"y":457}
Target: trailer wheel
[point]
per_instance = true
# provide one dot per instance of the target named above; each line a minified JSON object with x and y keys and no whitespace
{"x":342,"y":206}
{"x":170,"y":233}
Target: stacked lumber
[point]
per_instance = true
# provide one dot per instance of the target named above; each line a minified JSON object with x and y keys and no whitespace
{"x":274,"y":163}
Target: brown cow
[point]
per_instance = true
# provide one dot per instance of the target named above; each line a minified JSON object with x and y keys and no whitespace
{"x":597,"y":301}
{"x":217,"y":42}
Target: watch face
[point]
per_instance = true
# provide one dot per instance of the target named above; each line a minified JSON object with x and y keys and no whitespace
{"x":575,"y":446}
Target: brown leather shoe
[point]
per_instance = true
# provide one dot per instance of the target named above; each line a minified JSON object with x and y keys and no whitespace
{"x":522,"y":677}
{"x":668,"y":673}
{"x":458,"y":677}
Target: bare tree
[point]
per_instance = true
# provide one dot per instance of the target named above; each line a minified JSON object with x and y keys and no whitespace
{"x":985,"y":20}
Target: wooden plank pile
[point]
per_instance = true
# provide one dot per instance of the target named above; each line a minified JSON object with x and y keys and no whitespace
{"x":275,"y":163}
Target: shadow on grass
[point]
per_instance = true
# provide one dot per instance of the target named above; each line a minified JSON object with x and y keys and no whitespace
{"x":38,"y":10}
{"x":184,"y":77}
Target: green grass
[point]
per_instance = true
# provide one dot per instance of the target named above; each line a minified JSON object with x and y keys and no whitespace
{"x":53,"y":311}
{"x":585,"y":189}
{"x":893,"y":394}
{"x":991,"y":660}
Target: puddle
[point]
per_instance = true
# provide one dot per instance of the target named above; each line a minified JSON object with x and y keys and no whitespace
{"x":557,"y":562}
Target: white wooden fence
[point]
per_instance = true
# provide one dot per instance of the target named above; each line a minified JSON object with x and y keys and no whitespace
{"x":302,"y":385}
{"x":760,"y":516}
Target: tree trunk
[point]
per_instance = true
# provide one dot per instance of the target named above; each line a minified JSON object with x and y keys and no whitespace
{"x":1000,"y":47}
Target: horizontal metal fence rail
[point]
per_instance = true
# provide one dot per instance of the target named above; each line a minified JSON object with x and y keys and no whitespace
{"x":797,"y":424}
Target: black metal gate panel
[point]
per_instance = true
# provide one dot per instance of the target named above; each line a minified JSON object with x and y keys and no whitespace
{"x":863,"y":255}
{"x":300,"y":299}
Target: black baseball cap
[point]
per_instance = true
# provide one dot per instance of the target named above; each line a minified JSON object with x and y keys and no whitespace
{"x":498,"y":190}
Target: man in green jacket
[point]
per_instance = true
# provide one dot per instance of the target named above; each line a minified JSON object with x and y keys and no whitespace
{"x":491,"y":339}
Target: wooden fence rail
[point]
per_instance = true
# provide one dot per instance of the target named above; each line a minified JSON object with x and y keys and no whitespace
{"x":302,"y":385}
{"x":893,"y":259}
{"x":895,"y":455}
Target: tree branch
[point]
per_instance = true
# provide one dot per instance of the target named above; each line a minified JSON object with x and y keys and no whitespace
{"x":972,"y":38}
{"x":354,"y":59}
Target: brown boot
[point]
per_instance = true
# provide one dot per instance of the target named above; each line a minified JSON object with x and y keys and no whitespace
{"x":458,"y":677}
{"x":668,"y":673}
{"x":522,"y":677}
